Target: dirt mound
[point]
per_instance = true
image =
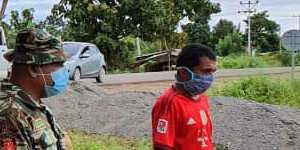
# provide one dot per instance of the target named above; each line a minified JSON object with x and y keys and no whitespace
{"x":238,"y":124}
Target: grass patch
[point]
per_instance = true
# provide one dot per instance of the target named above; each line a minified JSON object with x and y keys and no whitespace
{"x":85,"y":141}
{"x":245,"y":61}
{"x":239,"y":62}
{"x":268,"y":60}
{"x":263,"y":90}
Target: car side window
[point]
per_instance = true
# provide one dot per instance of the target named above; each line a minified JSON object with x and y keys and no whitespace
{"x":94,"y":50}
{"x":87,"y":50}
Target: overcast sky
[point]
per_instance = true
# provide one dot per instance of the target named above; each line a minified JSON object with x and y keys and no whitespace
{"x":280,"y":11}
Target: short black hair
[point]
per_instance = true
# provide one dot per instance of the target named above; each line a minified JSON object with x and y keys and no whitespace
{"x":190,"y":55}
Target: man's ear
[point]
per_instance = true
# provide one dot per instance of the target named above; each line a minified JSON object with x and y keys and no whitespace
{"x":32,"y":71}
{"x":183,"y":75}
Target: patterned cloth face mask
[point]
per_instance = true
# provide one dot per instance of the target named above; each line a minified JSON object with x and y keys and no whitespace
{"x":60,"y":79}
{"x":198,"y":83}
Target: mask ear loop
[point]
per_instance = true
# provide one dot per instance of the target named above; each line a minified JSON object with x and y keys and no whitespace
{"x":42,"y":75}
{"x":189,"y":71}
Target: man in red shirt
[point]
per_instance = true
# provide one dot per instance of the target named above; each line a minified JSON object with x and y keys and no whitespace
{"x":181,"y":117}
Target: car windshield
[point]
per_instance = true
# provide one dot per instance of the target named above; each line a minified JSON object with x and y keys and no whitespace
{"x":71,"y":49}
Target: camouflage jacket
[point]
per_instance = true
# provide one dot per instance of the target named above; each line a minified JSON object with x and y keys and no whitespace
{"x":25,"y":123}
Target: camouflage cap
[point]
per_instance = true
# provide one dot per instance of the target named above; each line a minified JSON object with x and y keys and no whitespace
{"x":36,"y":46}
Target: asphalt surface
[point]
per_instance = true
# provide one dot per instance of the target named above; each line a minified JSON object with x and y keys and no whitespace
{"x":169,"y":75}
{"x":238,"y":124}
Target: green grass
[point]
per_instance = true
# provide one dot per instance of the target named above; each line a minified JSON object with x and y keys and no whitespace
{"x":118,"y":71}
{"x":263,"y":90}
{"x":245,"y":61}
{"x":85,"y":141}
{"x":268,"y":60}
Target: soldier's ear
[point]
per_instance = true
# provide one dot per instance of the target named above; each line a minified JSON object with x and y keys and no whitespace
{"x":32,"y":71}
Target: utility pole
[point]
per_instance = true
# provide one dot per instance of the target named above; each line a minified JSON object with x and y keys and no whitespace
{"x":138,"y":46}
{"x":3,"y":8}
{"x":249,"y":10}
{"x":280,"y":39}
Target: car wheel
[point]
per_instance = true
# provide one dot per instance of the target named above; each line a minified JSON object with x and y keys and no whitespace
{"x":77,"y":74}
{"x":101,"y":75}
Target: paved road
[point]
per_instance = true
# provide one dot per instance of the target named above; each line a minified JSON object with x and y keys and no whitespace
{"x":169,"y":76}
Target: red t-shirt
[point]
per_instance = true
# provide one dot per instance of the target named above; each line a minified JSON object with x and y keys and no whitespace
{"x":181,"y":123}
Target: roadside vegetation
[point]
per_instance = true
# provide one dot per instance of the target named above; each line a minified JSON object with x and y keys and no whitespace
{"x":85,"y":141}
{"x":277,"y":59}
{"x":262,"y":89}
{"x":121,"y":23}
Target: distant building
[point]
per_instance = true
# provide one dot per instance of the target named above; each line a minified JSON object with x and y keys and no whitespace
{"x":158,"y":61}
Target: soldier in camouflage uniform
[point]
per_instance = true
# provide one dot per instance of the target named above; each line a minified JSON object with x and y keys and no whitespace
{"x":37,"y":72}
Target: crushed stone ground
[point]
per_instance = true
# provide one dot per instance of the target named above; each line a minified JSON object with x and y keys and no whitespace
{"x":238,"y":124}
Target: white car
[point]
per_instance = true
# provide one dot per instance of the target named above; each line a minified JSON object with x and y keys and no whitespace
{"x":86,"y":61}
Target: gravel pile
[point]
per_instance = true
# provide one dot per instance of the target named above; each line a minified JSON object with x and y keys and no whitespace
{"x":238,"y":124}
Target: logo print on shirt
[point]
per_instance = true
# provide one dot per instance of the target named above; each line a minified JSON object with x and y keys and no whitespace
{"x":162,"y":126}
{"x":191,"y":121}
{"x":202,"y":138}
{"x":203,"y":117}
{"x":202,"y":141}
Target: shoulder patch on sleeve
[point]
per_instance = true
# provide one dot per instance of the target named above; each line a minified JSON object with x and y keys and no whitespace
{"x":162,"y":126}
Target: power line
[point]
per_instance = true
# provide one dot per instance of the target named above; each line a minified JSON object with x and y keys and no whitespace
{"x":249,"y":10}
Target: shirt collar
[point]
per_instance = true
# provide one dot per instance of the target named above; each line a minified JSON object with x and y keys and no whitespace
{"x":12,"y":89}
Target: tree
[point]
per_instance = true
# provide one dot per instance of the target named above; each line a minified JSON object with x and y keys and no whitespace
{"x":264,"y":33}
{"x":231,"y":44}
{"x":18,"y":23}
{"x":221,"y":29}
{"x":107,"y":22}
{"x":198,"y":33}
{"x":199,"y":30}
{"x":23,"y":22}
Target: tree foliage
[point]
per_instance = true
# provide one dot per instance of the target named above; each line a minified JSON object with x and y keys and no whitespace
{"x":199,"y":30}
{"x":25,"y":21}
{"x":221,"y":29}
{"x":231,"y":44}
{"x":264,"y":33}
{"x":108,"y":22}
{"x":18,"y":22}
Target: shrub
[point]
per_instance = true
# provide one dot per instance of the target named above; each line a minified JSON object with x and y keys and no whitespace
{"x":271,"y":60}
{"x":263,"y":90}
{"x":85,"y":141}
{"x":285,"y":58}
{"x":239,"y":62}
{"x":231,"y":44}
